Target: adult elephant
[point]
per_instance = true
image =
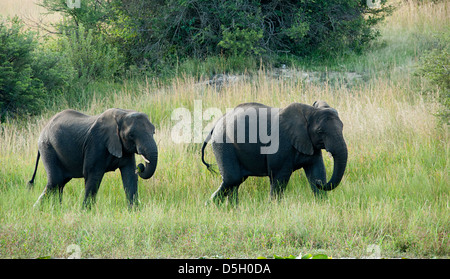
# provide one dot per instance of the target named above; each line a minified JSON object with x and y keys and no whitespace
{"x":298,"y":133}
{"x":75,"y":145}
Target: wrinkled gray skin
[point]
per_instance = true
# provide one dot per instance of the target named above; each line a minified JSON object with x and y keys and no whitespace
{"x":303,"y":131}
{"x":75,"y":145}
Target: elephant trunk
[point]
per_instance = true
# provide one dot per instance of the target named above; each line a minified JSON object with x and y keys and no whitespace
{"x":150,"y":154}
{"x":340,"y":154}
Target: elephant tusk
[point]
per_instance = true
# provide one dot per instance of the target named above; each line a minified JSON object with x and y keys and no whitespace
{"x":145,"y":159}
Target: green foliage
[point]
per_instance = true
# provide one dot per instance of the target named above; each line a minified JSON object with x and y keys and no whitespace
{"x":299,"y":28}
{"x":91,"y":13}
{"x":435,"y":67}
{"x":20,"y":91}
{"x":53,"y":68}
{"x":32,"y":74}
{"x":158,"y":34}
{"x":91,"y":56}
{"x":196,"y":28}
{"x":241,"y":41}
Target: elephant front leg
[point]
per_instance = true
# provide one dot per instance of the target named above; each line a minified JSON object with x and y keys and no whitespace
{"x":129,"y":180}
{"x":316,"y":174}
{"x":91,"y":183}
{"x":278,"y":183}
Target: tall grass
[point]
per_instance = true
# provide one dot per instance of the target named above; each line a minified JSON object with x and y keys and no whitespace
{"x":394,"y":194}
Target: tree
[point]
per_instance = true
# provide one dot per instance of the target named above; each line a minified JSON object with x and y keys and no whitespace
{"x":199,"y":28}
{"x":20,"y":91}
{"x":155,"y":32}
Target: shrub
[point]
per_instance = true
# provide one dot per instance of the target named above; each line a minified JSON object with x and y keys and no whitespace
{"x":53,"y":68}
{"x":32,"y":74}
{"x":20,"y":91}
{"x":435,"y":67}
{"x":90,"y":13}
{"x":241,"y":41}
{"x":91,"y":56}
{"x":159,"y":33}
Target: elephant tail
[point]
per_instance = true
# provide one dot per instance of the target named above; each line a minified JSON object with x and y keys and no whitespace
{"x":31,"y":182}
{"x":208,"y":166}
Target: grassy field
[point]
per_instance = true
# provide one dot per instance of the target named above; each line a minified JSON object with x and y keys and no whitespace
{"x":395,"y":193}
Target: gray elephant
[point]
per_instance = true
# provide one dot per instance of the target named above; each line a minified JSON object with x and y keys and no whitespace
{"x":75,"y":145}
{"x":298,"y":132}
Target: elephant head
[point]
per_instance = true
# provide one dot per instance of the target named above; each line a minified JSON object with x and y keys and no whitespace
{"x":131,"y":132}
{"x":311,"y":128}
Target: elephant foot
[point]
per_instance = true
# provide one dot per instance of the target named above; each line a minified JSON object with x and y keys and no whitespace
{"x":134,"y":205}
{"x":39,"y":199}
{"x":208,"y":202}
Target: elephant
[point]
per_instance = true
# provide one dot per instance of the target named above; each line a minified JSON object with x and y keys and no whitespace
{"x":298,"y":133}
{"x":75,"y":145}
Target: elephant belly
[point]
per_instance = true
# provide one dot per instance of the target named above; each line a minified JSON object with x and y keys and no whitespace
{"x":72,"y":165}
{"x":253,"y":163}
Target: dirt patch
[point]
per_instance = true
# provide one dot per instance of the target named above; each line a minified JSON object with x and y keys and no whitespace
{"x":319,"y":77}
{"x":316,"y":77}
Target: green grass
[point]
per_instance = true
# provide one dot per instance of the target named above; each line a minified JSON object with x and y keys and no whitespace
{"x":395,"y":192}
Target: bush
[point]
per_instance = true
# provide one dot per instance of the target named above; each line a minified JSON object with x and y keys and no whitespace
{"x":435,"y":67}
{"x":54,"y":69}
{"x":241,"y":41}
{"x":197,"y":28}
{"x":32,"y":75}
{"x":160,"y":33}
{"x":90,"y":13}
{"x":20,"y":91}
{"x":91,"y":56}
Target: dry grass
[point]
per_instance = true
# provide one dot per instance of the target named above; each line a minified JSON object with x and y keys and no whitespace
{"x":29,"y":11}
{"x":424,"y":18}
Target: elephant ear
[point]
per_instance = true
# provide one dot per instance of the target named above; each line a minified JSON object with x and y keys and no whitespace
{"x":293,"y":123}
{"x":321,"y":104}
{"x":106,"y":128}
{"x":324,"y":105}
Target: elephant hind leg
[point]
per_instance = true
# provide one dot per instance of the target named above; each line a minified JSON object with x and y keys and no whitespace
{"x":231,"y":192}
{"x":52,"y":188}
{"x":219,"y":195}
{"x":228,"y":189}
{"x":56,"y":178}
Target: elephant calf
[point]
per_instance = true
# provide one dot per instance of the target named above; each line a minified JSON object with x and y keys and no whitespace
{"x":298,"y":132}
{"x":74,"y":145}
